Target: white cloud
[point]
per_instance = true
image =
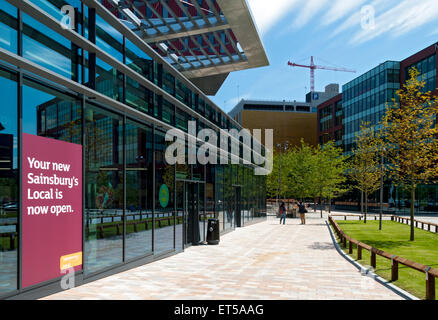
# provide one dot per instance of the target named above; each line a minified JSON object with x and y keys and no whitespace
{"x":400,"y":19}
{"x":310,"y":8}
{"x":267,"y":13}
{"x":355,"y":18}
{"x":339,"y":9}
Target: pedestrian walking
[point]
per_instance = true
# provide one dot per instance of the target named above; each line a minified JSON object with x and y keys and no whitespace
{"x":302,"y":211}
{"x":282,"y":212}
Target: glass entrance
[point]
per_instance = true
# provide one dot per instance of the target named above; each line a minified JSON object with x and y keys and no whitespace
{"x":189,"y":208}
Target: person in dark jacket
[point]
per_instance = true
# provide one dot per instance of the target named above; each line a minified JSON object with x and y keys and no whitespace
{"x":302,"y":211}
{"x":282,"y":212}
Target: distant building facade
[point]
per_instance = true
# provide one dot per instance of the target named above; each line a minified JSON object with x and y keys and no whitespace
{"x":364,"y":99}
{"x":290,"y":120}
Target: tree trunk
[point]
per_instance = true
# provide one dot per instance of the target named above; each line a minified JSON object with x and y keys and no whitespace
{"x":412,"y":213}
{"x":314,"y":202}
{"x":366,"y":207}
{"x":361,"y":202}
{"x":330,"y":205}
{"x":321,"y":205}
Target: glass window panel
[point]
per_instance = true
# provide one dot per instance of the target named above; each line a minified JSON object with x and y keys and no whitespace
{"x":8,"y":184}
{"x":48,"y":49}
{"x":51,"y":114}
{"x":182,"y":119}
{"x":228,"y":198}
{"x":182,"y":93}
{"x":8,"y":27}
{"x":168,"y":83}
{"x":139,"y":186}
{"x":104,"y":189}
{"x":139,"y":61}
{"x":168,"y":112}
{"x":109,"y":81}
{"x":164,"y":200}
{"x":109,"y":39}
{"x":139,"y":97}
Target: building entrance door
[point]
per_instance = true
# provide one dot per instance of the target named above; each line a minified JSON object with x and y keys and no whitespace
{"x":191,"y":214}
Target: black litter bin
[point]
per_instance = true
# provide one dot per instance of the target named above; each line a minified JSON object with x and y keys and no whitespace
{"x":213,"y":231}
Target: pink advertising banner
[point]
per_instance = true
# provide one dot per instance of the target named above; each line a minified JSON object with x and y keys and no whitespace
{"x":51,"y":208}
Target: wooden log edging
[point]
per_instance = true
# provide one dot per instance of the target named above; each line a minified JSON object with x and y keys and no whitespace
{"x":430,"y":273}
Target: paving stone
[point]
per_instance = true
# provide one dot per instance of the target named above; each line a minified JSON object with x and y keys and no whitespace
{"x":262,"y":261}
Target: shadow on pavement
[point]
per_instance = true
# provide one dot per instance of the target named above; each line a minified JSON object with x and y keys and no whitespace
{"x":321,"y":246}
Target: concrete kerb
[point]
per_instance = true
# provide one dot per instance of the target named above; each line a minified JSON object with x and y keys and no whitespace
{"x":402,"y":293}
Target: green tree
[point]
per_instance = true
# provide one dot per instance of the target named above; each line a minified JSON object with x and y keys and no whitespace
{"x":328,"y":172}
{"x":300,"y":167}
{"x":365,"y":169}
{"x":410,"y":132}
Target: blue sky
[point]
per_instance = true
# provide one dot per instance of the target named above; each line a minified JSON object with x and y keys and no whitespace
{"x":331,"y":31}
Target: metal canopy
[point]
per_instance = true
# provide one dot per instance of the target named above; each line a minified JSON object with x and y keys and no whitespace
{"x":200,"y":38}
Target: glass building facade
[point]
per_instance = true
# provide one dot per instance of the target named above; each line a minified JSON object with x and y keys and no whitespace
{"x":102,"y":88}
{"x":364,"y":99}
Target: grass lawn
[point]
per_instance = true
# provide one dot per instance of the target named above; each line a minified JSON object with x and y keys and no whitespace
{"x":394,"y":238}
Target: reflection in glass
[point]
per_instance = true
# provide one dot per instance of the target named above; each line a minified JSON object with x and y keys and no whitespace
{"x":180,"y":206}
{"x":219,"y":191}
{"x":104,"y":189}
{"x":8,"y":27}
{"x":109,"y":81}
{"x":202,"y":215}
{"x":8,"y":184}
{"x":48,"y":49}
{"x":139,"y":186}
{"x":228,"y":198}
{"x":164,"y":198}
{"x":138,"y":96}
{"x":49,"y":113}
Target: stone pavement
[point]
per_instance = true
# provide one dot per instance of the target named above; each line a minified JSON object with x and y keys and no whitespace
{"x":262,"y":261}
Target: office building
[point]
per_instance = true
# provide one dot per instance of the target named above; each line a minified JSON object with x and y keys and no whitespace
{"x":364,"y":99}
{"x":87,"y":99}
{"x":291,"y":121}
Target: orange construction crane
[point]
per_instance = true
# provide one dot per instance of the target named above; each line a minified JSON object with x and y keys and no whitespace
{"x":313,"y":67}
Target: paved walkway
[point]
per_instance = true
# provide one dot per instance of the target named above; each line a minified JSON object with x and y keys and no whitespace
{"x":262,"y":261}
